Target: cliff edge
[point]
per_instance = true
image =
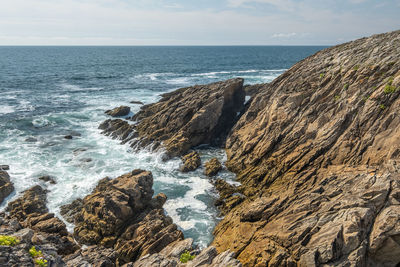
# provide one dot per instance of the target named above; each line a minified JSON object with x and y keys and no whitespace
{"x":318,"y":156}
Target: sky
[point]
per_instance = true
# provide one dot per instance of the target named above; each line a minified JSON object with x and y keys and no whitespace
{"x":194,"y":22}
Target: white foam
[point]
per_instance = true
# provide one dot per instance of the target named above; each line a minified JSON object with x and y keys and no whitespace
{"x":4,"y":109}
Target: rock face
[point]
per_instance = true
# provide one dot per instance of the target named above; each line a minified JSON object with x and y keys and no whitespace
{"x":6,"y":186}
{"x":212,"y":167}
{"x":119,"y":111}
{"x":121,"y":214}
{"x":317,"y":153}
{"x":182,"y":119}
{"x":191,"y":162}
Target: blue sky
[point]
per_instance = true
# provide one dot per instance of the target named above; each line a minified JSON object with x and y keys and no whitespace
{"x":190,"y":22}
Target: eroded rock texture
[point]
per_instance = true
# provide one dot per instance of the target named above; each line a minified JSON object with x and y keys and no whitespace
{"x":121,"y":214}
{"x":318,"y":156}
{"x":182,"y":119}
{"x":6,"y":186}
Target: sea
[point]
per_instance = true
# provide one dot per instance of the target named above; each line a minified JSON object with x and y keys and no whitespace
{"x":49,"y":92}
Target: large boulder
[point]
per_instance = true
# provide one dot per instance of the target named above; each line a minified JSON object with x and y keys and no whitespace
{"x":119,"y":111}
{"x":191,"y":162}
{"x":318,"y":158}
{"x":121,"y":214}
{"x":212,"y":167}
{"x":185,"y":118}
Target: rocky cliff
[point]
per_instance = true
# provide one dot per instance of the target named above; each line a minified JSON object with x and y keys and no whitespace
{"x":317,"y":153}
{"x":182,"y":119}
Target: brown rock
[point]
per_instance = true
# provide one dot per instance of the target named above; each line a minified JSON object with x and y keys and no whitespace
{"x":212,"y":167}
{"x":121,"y":214}
{"x":183,"y":119}
{"x":6,"y":186}
{"x":136,"y":102}
{"x":47,"y":178}
{"x":119,"y":111}
{"x":317,"y":155}
{"x":4,"y":167}
{"x":70,"y":211}
{"x":191,"y":162}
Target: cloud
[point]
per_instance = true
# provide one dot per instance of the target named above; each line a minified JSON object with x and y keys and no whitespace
{"x":148,"y":22}
{"x":283,"y":35}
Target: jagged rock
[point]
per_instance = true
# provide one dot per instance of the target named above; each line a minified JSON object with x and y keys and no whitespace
{"x":92,"y":256}
{"x":4,"y":167}
{"x":318,"y":159}
{"x":229,"y":196}
{"x":47,"y":178}
{"x":136,"y":102}
{"x":119,"y":111}
{"x":212,"y":167}
{"x":6,"y":186}
{"x":121,"y":214}
{"x":184,"y":118}
{"x":70,"y":211}
{"x":191,"y":162}
{"x":33,"y":201}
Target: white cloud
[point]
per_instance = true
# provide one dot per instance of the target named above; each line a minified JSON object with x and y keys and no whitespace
{"x":283,"y":35}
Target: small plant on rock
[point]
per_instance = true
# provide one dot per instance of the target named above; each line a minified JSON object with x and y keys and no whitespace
{"x":389,"y":88}
{"x":322,"y":75}
{"x":6,"y":240}
{"x":382,"y":106}
{"x":356,"y":67}
{"x":186,"y":256}
{"x":38,"y":257}
{"x":346,"y":86}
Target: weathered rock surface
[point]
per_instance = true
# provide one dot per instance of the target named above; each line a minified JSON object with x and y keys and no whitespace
{"x":47,"y":178}
{"x":70,"y":211}
{"x":191,"y":162}
{"x":6,"y":186}
{"x":119,"y":111}
{"x":317,"y":153}
{"x":121,"y":214}
{"x":212,"y":167}
{"x":182,"y":119}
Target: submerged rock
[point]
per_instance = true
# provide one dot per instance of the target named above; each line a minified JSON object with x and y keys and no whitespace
{"x":4,"y":167}
{"x":119,"y":111}
{"x":136,"y":102}
{"x":47,"y":178}
{"x":212,"y":167}
{"x":69,"y":137}
{"x":183,"y":119}
{"x":191,"y":162}
{"x":317,"y":156}
{"x":6,"y":186}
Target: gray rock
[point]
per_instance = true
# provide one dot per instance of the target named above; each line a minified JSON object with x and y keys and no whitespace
{"x":119,"y":111}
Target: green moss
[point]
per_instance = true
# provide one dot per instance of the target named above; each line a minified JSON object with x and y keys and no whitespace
{"x":322,"y":75}
{"x":186,"y":256}
{"x":6,"y":240}
{"x":382,"y":106}
{"x":41,"y":262}
{"x":337,"y":97}
{"x":365,"y":98}
{"x":346,"y":86}
{"x":356,"y":67}
{"x":389,"y":88}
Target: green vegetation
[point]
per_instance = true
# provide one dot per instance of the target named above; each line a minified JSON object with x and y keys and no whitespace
{"x":186,"y":256}
{"x":41,"y":262}
{"x":365,"y":98}
{"x":322,"y":75}
{"x":382,"y":106}
{"x":6,"y":240}
{"x":337,"y":97}
{"x":389,"y":88}
{"x":346,"y":86}
{"x":38,"y":257}
{"x":356,"y":67}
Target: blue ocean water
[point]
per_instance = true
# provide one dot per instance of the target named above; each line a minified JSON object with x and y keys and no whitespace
{"x":49,"y":92}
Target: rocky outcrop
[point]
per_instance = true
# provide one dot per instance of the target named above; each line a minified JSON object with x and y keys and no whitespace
{"x":119,"y":111}
{"x":185,"y":118}
{"x":212,"y":167}
{"x":170,"y":256}
{"x":121,"y":214}
{"x":6,"y":186}
{"x":70,"y":211}
{"x":191,"y":162}
{"x":317,"y":155}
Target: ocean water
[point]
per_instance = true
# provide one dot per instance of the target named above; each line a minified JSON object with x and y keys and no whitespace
{"x":49,"y":92}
